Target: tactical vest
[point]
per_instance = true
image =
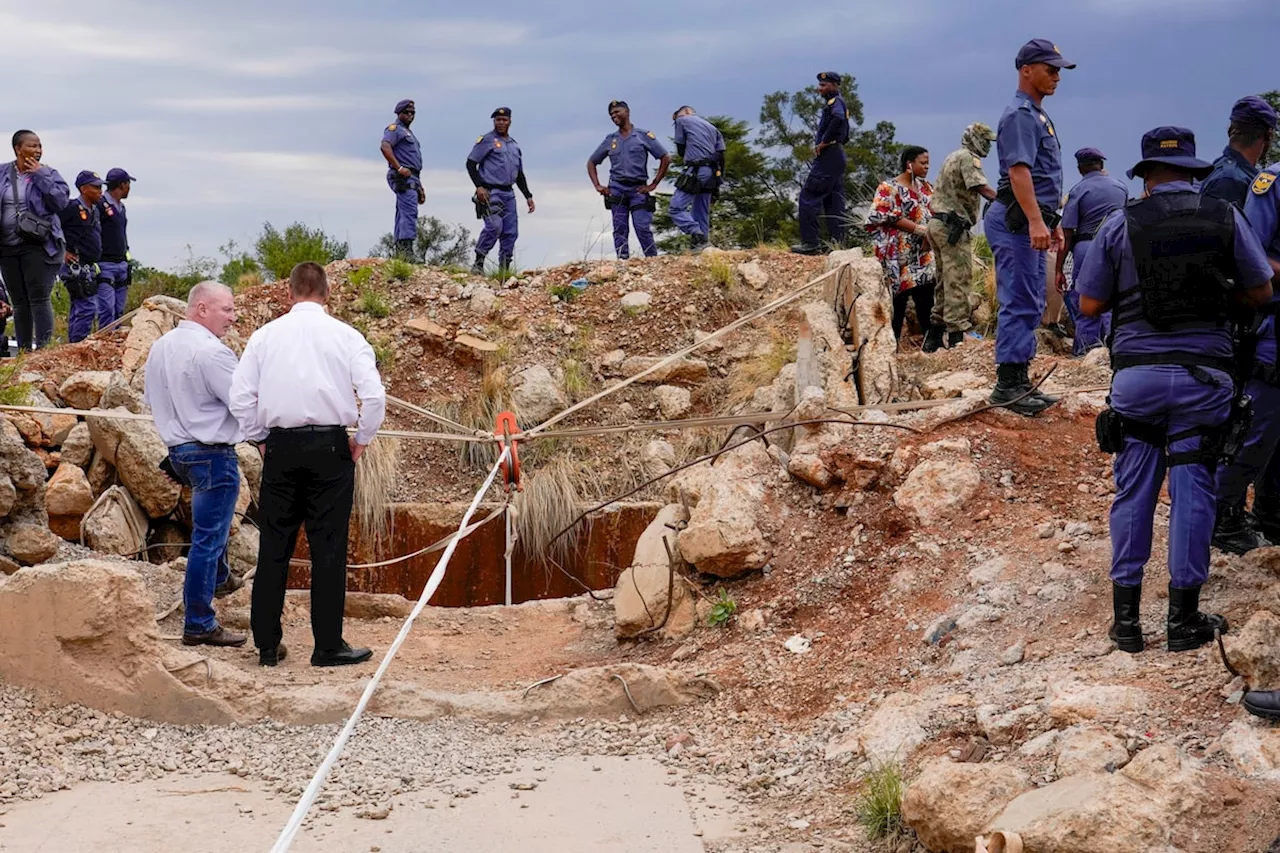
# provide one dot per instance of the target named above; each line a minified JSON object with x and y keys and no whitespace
{"x":1184,"y":251}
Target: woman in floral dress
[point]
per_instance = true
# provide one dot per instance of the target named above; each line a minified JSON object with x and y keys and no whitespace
{"x":899,"y":214}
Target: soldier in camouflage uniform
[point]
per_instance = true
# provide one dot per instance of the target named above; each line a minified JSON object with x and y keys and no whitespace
{"x":956,"y":199}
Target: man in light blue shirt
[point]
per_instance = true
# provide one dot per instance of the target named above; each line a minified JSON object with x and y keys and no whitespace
{"x":189,"y":373}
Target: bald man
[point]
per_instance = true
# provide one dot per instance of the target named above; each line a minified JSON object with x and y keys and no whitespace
{"x":188,"y":376}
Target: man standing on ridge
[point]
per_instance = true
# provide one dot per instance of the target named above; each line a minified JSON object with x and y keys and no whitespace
{"x":1022,"y":223}
{"x":404,"y":169}
{"x":1090,"y":201}
{"x":495,"y":164}
{"x":1249,"y":137}
{"x":629,"y":194}
{"x":115,"y":238}
{"x":960,"y":187}
{"x":82,"y":226}
{"x":701,"y":145}
{"x":823,"y":192}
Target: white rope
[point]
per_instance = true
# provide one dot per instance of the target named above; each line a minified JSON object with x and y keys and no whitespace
{"x":285,"y":841}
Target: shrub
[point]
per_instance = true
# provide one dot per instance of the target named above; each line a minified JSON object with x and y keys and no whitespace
{"x":280,"y":251}
{"x":398,"y":270}
{"x":577,"y":378}
{"x":879,"y":802}
{"x":360,"y":277}
{"x":373,"y":303}
{"x":723,"y":610}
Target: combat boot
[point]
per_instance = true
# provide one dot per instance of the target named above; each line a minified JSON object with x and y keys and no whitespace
{"x":697,"y":242}
{"x":1188,"y":627}
{"x":1234,"y":534}
{"x":478,"y":267}
{"x":1262,"y":703}
{"x":933,"y":338}
{"x":1025,"y":378}
{"x":1126,"y":627}
{"x":807,"y":249}
{"x":954,"y":339}
{"x":1011,"y":383}
{"x":1266,"y":516}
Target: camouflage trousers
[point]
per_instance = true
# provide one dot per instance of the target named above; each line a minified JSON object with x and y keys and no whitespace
{"x":955,"y":275}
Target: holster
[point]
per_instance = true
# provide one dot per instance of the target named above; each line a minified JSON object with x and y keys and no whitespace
{"x":650,"y":203}
{"x":956,"y":227}
{"x":1015,"y":219}
{"x":612,"y":201}
{"x":80,"y":283}
{"x":1109,"y":428}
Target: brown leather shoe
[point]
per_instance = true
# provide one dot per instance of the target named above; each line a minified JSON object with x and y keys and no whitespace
{"x":217,"y":637}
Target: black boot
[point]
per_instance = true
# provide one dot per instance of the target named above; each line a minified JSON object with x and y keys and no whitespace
{"x":1262,"y":703}
{"x":478,"y":267}
{"x":933,"y":338}
{"x":954,"y":339}
{"x":807,"y":249}
{"x":1011,"y":383}
{"x":1188,"y":627}
{"x":1126,"y":629}
{"x":1266,"y":516}
{"x":1234,"y":534}
{"x":697,"y":242}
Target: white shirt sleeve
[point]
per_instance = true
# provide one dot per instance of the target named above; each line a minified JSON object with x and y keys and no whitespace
{"x":243,"y":396}
{"x":369,"y":390}
{"x":218,"y":370}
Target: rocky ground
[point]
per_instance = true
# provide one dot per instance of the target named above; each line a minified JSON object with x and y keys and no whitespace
{"x":925,"y":591}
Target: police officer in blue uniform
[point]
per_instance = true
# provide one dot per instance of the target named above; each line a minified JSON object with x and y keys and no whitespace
{"x":1022,"y":223}
{"x":628,"y":194}
{"x":1249,"y":137}
{"x":495,"y":165}
{"x":114,"y":266}
{"x":1172,"y":268}
{"x":700,"y":145}
{"x":1088,"y":203}
{"x":82,"y":226}
{"x":823,"y":192}
{"x":404,"y":167}
{"x":1238,"y":531}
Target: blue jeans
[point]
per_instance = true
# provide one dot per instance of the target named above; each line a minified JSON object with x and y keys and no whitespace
{"x":1170,"y":396}
{"x":214,"y":474}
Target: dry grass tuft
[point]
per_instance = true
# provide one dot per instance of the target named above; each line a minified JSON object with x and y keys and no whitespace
{"x":377,"y":475}
{"x":760,"y":370}
{"x":551,"y":500}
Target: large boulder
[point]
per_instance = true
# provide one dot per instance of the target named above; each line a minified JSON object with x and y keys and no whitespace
{"x":251,"y":467}
{"x":156,"y":316}
{"x":84,"y":390}
{"x":26,"y":473}
{"x":648,"y":595}
{"x":77,"y":447}
{"x":895,"y":730}
{"x":937,"y":488}
{"x":68,"y":497}
{"x":121,"y":394}
{"x":949,"y":804}
{"x":31,"y":544}
{"x":135,"y":449}
{"x":1254,"y":748}
{"x":8,"y":495}
{"x":860,"y":288}
{"x":723,"y":537}
{"x":117,"y":525}
{"x":242,"y":549}
{"x":1090,"y":749}
{"x":1255,"y":650}
{"x":538,"y":395}
{"x":1074,"y":702}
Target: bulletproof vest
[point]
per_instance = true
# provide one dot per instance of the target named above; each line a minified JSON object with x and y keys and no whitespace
{"x":1184,"y":251}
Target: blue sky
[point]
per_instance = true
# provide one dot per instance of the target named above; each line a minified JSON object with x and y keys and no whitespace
{"x":235,"y":113}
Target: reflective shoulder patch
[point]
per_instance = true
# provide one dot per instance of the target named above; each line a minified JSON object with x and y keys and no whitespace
{"x":391,"y":127}
{"x":650,"y":135}
{"x":479,"y":139}
{"x":830,"y":102}
{"x":1263,"y":182}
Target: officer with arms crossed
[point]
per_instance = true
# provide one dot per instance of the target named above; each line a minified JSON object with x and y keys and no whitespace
{"x":403,"y":154}
{"x":1172,"y":266}
{"x":296,"y":387}
{"x":823,"y":192}
{"x":1249,"y":137}
{"x":1022,"y":223}
{"x":957,"y":194}
{"x":495,"y":164}
{"x":628,"y":195}
{"x":701,"y":145}
{"x":1090,"y":201}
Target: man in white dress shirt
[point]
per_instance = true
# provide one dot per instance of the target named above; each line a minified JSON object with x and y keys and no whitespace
{"x":296,"y":387}
{"x":188,"y":377}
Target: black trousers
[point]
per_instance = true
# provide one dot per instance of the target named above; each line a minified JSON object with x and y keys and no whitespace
{"x":922,"y":295}
{"x":28,"y":276}
{"x":308,"y":479}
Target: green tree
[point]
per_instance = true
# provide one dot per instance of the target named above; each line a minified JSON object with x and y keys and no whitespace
{"x":278,"y":252}
{"x":746,"y":212}
{"x":238,"y":264}
{"x":437,"y":243}
{"x":1273,"y":155}
{"x":788,"y":122}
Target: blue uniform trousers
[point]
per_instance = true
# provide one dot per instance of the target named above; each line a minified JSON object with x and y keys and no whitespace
{"x":632,"y":209}
{"x":116,"y":273}
{"x":406,"y":190}
{"x":502,"y":228}
{"x":691,"y":212}
{"x":1168,"y":395}
{"x":214,"y":474}
{"x":1091,"y":332}
{"x":1259,"y":446}
{"x":100,"y":305}
{"x":1020,"y":288}
{"x":823,"y":196}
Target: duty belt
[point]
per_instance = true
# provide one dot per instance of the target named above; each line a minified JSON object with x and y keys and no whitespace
{"x":628,"y":182}
{"x":1119,"y":361}
{"x":503,"y":187}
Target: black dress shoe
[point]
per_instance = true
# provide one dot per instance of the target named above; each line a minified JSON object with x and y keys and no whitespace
{"x":230,"y":585}
{"x":341,"y":656}
{"x":217,"y":637}
{"x":807,"y":249}
{"x":271,"y":657}
{"x":1262,"y":703}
